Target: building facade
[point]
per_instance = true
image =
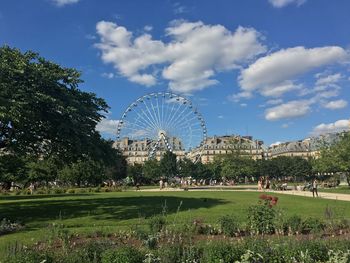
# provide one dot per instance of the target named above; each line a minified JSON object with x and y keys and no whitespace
{"x":138,"y":151}
{"x":220,"y":145}
{"x":307,"y":148}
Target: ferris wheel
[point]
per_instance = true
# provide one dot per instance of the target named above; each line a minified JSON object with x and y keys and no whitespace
{"x":166,"y":122}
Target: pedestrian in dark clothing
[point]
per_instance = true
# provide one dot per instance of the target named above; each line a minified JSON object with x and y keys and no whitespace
{"x":314,"y":188}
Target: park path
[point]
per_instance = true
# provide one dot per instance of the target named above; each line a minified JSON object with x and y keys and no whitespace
{"x":333,"y":196}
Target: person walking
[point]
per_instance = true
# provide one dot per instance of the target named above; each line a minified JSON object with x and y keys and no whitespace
{"x":314,"y":188}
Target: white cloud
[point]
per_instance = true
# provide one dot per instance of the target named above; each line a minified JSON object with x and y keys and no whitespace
{"x":329,"y":79}
{"x":220,"y":117}
{"x":291,"y":109}
{"x":190,"y":60}
{"x":336,"y":104}
{"x":338,"y":126}
{"x":64,"y":2}
{"x":148,"y":28}
{"x":243,"y":104}
{"x":108,"y":126}
{"x":284,"y":65}
{"x":241,"y":95}
{"x":274,"y":101}
{"x":108,"y":75}
{"x":280,"y":89}
{"x":282,"y":3}
{"x":179,"y":9}
{"x":285,"y":125}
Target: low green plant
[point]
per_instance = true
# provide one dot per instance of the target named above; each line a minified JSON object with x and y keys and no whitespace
{"x":261,"y":219}
{"x":151,"y":242}
{"x":229,"y":225}
{"x":338,"y":256}
{"x":70,"y":191}
{"x":6,"y":226}
{"x":221,"y":251}
{"x":156,"y":223}
{"x":312,"y":225}
{"x":293,"y":225}
{"x":125,"y":254}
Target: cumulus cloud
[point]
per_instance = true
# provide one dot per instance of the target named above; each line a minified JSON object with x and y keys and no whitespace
{"x":107,"y":75}
{"x":291,"y":109}
{"x":274,"y":101}
{"x":338,"y":126}
{"x":282,"y":3}
{"x":328,"y":79}
{"x":195,"y":53}
{"x":179,"y":9}
{"x":64,"y":2}
{"x":284,"y":65}
{"x":107,"y":126}
{"x":280,"y":89}
{"x":336,"y":104}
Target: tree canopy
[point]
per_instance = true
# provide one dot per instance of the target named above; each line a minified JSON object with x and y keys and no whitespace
{"x":48,"y":112}
{"x":47,"y":123}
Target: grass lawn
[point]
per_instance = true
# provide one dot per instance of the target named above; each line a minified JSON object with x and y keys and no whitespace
{"x":344,"y":189}
{"x":108,"y":212}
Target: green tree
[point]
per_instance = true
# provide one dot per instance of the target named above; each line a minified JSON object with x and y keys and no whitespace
{"x":50,"y":115}
{"x":82,"y":173}
{"x":335,"y":158}
{"x":134,"y":172}
{"x":186,"y":168}
{"x":201,"y":171}
{"x":237,"y":168}
{"x":43,"y":170}
{"x":12,"y":169}
{"x":215,"y":168}
{"x":168,"y":165}
{"x":151,"y":170}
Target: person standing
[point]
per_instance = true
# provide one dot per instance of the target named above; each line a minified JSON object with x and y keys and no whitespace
{"x":161,"y":184}
{"x":259,"y":184}
{"x":314,"y":188}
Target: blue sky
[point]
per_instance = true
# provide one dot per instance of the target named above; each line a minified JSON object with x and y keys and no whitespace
{"x":275,"y":69}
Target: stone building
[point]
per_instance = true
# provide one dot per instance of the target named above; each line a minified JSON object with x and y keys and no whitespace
{"x":221,"y":145}
{"x":137,"y":151}
{"x":307,"y":148}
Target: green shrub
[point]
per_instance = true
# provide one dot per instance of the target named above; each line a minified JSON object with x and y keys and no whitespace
{"x":339,"y":256}
{"x":125,"y":254}
{"x":317,"y":250}
{"x":97,"y":189}
{"x":81,"y":191}
{"x":58,"y":191}
{"x":217,"y":252}
{"x":151,"y":242}
{"x":229,"y":225}
{"x":7,"y":227}
{"x":156,"y":223}
{"x":293,"y":225}
{"x":312,"y":225}
{"x":261,"y":219}
{"x":179,"y":254}
{"x":29,"y":257}
{"x":93,"y":250}
{"x":70,"y":191}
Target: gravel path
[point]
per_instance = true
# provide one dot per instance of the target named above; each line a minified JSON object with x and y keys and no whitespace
{"x":334,"y":196}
